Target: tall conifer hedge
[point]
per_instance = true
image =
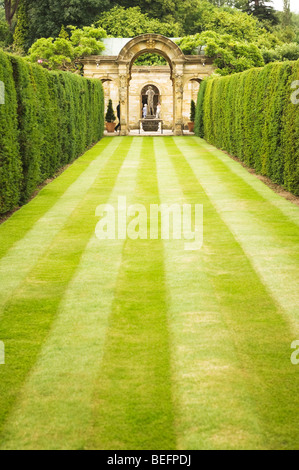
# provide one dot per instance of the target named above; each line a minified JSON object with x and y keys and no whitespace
{"x":48,"y":119}
{"x":251,"y":115}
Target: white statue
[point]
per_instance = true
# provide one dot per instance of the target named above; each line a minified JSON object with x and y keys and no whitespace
{"x":150,"y":101}
{"x":144,"y":111}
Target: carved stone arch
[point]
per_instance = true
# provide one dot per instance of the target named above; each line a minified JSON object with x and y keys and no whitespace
{"x":105,"y":79}
{"x":118,"y":68}
{"x":189,"y":78}
{"x":154,"y":44}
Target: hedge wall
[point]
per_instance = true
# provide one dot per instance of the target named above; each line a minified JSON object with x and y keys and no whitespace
{"x":251,"y":116}
{"x":48,"y":120}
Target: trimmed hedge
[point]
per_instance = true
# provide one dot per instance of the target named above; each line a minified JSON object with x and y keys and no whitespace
{"x":48,"y":120}
{"x":251,"y":116}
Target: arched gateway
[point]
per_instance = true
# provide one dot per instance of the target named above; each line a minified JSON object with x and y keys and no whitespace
{"x":118,"y":69}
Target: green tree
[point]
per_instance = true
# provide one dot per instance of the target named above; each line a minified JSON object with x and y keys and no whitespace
{"x":192,"y":111}
{"x":199,"y":15}
{"x":64,"y":53}
{"x":21,"y":33}
{"x":6,"y":37}
{"x":230,"y":55}
{"x":10,"y":158}
{"x":281,"y":53}
{"x":110,"y":116}
{"x":48,"y":16}
{"x":150,"y":60}
{"x":10,"y":8}
{"x":287,"y":16}
{"x":126,"y":23}
{"x":262,"y":10}
{"x":162,"y":9}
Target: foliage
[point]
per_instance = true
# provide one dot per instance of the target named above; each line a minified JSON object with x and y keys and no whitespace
{"x":288,"y":28}
{"x":161,"y":9}
{"x":287,"y":16}
{"x":62,"y":53}
{"x":21,"y":42}
{"x":199,"y":122}
{"x":192,"y":111}
{"x":6,"y":37}
{"x":10,"y":9}
{"x":197,"y":16}
{"x":281,"y":53}
{"x":110,"y":116}
{"x":261,"y":10}
{"x":29,"y":131}
{"x":48,"y":16}
{"x":49,"y":119}
{"x":194,"y":14}
{"x":10,"y":159}
{"x":231,"y":55}
{"x":131,"y":22}
{"x":150,"y":60}
{"x":233,"y":38}
{"x":252,"y":116}
{"x":235,"y":23}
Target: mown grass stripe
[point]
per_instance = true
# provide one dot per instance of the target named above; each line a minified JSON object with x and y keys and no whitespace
{"x":15,"y":228}
{"x":213,"y":409}
{"x":24,"y":254}
{"x":28,"y":317}
{"x":133,"y":398}
{"x":71,"y":355}
{"x":269,"y":238}
{"x":285,"y":211}
{"x":257,"y":325}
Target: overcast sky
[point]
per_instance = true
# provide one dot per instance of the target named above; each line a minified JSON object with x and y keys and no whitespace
{"x":278,"y":4}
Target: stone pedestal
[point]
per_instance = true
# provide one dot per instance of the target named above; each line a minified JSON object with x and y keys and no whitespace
{"x":150,"y":124}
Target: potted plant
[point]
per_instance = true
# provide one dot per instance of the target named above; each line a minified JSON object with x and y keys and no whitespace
{"x":110,"y":118}
{"x":192,"y":116}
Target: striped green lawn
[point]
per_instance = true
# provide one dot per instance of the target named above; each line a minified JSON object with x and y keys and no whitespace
{"x":125,"y":344}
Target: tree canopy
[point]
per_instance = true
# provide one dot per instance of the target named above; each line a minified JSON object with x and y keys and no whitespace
{"x":63,"y":52}
{"x":130,"y":22}
{"x":238,"y":34}
{"x":48,"y":16}
{"x":230,"y":54}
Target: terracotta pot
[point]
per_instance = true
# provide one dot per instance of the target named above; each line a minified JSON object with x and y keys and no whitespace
{"x":191,"y":126}
{"x":110,"y":126}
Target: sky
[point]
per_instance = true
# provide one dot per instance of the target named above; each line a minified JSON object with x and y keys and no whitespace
{"x":278,"y":5}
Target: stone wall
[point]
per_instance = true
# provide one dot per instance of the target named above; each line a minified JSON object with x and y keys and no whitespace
{"x":160,"y":77}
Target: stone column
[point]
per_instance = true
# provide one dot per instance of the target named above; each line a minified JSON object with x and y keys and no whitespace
{"x":178,"y":96}
{"x":124,"y":99}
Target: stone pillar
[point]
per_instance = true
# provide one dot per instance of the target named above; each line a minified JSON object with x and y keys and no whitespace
{"x":178,"y":96}
{"x":124,"y":99}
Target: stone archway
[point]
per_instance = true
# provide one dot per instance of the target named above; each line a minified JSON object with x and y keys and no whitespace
{"x":152,"y":43}
{"x":119,"y":69}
